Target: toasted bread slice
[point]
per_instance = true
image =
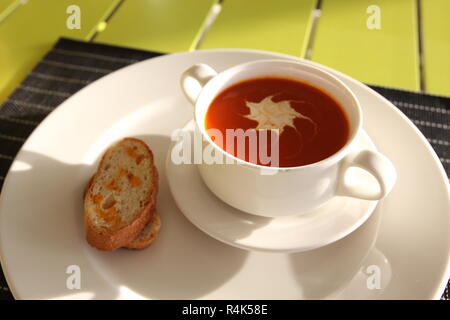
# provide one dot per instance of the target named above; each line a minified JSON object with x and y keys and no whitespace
{"x":148,"y":235}
{"x":121,"y":196}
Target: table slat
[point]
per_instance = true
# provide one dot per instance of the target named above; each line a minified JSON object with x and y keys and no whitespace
{"x":388,"y":56}
{"x":32,"y":29}
{"x":7,"y":7}
{"x":436,"y":46}
{"x":279,"y":26}
{"x":165,"y":26}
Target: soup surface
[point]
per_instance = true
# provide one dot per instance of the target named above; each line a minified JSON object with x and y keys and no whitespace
{"x":311,"y":125}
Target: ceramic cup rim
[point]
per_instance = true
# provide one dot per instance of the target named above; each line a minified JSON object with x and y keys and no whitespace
{"x":355,"y":128}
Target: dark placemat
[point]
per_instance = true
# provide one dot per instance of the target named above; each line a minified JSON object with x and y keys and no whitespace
{"x":71,"y":65}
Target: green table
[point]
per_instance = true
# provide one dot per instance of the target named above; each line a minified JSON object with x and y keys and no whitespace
{"x":394,"y":43}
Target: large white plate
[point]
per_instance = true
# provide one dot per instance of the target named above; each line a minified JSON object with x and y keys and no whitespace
{"x":41,"y":231}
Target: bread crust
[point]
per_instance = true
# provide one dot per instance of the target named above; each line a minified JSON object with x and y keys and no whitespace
{"x":106,"y":239}
{"x":141,"y":243}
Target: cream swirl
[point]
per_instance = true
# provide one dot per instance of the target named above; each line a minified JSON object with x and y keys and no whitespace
{"x":272,"y":115}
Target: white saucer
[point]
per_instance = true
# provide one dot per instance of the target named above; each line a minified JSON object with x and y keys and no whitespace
{"x":332,"y":221}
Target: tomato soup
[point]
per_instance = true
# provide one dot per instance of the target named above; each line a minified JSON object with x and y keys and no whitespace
{"x":311,"y":125}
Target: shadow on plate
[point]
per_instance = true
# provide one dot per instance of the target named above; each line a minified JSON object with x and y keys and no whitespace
{"x":45,"y":229}
{"x":324,"y":272}
{"x":183,"y":263}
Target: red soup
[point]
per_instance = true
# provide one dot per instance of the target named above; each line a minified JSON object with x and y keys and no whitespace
{"x":311,"y":125}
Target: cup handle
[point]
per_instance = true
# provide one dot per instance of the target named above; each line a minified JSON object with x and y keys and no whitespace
{"x":380,"y":167}
{"x":194,"y":79}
